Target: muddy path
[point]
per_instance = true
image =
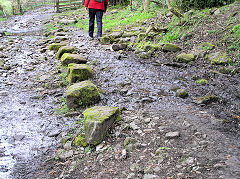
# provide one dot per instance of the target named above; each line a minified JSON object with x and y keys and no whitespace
{"x":29,"y":126}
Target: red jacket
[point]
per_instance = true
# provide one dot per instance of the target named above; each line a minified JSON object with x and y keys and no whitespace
{"x":96,"y":5}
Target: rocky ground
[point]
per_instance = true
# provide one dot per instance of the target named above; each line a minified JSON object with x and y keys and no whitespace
{"x":160,"y":135}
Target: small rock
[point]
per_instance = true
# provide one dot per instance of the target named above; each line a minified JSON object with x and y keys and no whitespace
{"x":98,"y":147}
{"x":150,"y":176}
{"x":53,"y":133}
{"x":63,"y":155}
{"x":206,"y":100}
{"x":117,"y":47}
{"x":3,"y":93}
{"x":131,"y":175}
{"x":68,"y":21}
{"x":67,"y":145}
{"x":4,"y":75}
{"x":124,"y":153}
{"x":217,"y":12}
{"x":219,"y":58}
{"x":19,"y":137}
{"x":171,"y":135}
{"x":134,"y":126}
{"x":171,"y":48}
{"x":184,"y":58}
{"x":182,"y":93}
{"x":147,"y":120}
{"x":219,"y":165}
{"x":157,"y":169}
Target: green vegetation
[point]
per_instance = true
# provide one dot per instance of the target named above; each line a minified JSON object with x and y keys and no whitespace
{"x":62,"y":108}
{"x":63,"y":79}
{"x":7,"y":7}
{"x":200,"y":4}
{"x":51,"y":27}
{"x":2,"y":19}
{"x":122,"y":17}
{"x":202,"y":82}
{"x":80,"y":141}
{"x":134,"y":22}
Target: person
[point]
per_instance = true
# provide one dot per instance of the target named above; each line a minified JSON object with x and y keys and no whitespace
{"x":96,"y":8}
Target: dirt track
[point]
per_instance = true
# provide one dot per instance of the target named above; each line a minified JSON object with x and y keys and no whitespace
{"x":204,"y":149}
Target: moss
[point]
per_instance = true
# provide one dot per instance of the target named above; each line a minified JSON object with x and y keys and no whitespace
{"x":129,"y":140}
{"x":68,"y":58}
{"x":207,"y":46}
{"x":171,"y":48}
{"x":202,"y":82}
{"x":99,"y":113}
{"x":206,"y":99}
{"x":228,"y":70}
{"x":82,"y":94}
{"x":219,"y":58}
{"x":182,"y":93}
{"x":79,"y":72}
{"x":184,"y":58}
{"x":80,"y":141}
{"x":56,"y":46}
{"x":63,"y":141}
{"x":106,"y":40}
{"x":97,"y":121}
{"x":142,"y":36}
{"x":65,"y":49}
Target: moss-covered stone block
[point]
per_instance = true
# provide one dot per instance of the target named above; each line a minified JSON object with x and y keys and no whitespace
{"x":79,"y":72}
{"x":97,"y":121}
{"x":105,"y":40}
{"x":171,"y":48}
{"x":56,"y":46}
{"x":182,"y":93}
{"x":59,"y":39}
{"x":68,"y":58}
{"x":2,"y":62}
{"x":207,"y":46}
{"x":219,"y":58}
{"x":117,"y":47}
{"x":65,"y":49}
{"x":229,"y":70}
{"x":206,"y":99}
{"x":116,"y":34}
{"x":202,"y":81}
{"x":185,"y":58}
{"x":82,"y":94}
{"x":142,"y":36}
{"x":80,"y":141}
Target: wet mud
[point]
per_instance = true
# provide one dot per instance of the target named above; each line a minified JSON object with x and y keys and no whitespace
{"x":28,"y":126}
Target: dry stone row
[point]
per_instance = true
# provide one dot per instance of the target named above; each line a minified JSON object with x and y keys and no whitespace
{"x":82,"y":92}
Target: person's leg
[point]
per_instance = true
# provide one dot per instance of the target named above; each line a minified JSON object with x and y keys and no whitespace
{"x":91,"y":21}
{"x":99,"y":15}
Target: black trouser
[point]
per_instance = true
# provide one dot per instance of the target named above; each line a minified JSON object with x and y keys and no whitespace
{"x":99,"y":14}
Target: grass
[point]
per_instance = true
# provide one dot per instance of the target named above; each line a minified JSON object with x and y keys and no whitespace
{"x":63,"y":79}
{"x":3,"y":19}
{"x":62,"y":108}
{"x":202,"y":82}
{"x":51,"y":27}
{"x":123,"y":17}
